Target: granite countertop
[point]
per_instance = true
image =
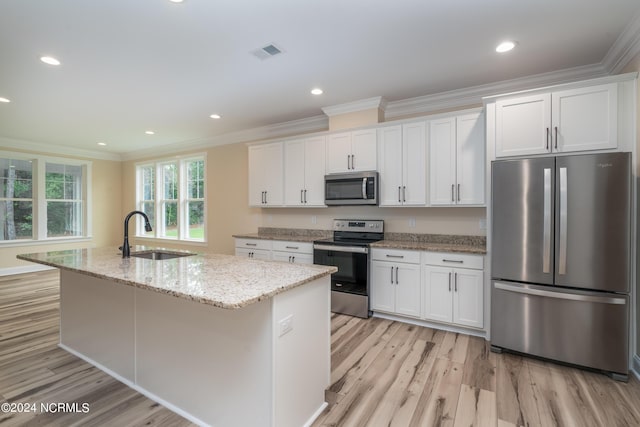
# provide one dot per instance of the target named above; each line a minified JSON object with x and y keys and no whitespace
{"x":433,"y":243}
{"x":224,"y":281}
{"x":287,"y":234}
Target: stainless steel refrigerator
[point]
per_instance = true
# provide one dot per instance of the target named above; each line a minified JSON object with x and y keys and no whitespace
{"x":560,"y":261}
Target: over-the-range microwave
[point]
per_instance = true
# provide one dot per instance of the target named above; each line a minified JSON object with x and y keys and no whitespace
{"x":353,"y":188}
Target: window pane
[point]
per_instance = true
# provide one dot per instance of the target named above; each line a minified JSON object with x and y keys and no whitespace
{"x":149,"y":209}
{"x":64,"y":219}
{"x":63,"y":182}
{"x":195,"y":179}
{"x":171,"y":219}
{"x":170,"y":176}
{"x":196,"y":220}
{"x":15,"y":179}
{"x":148,"y":183}
{"x":16,"y":220}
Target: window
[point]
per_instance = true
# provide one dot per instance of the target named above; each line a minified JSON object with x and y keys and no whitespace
{"x":176,"y":205}
{"x":16,"y":199}
{"x":64,"y":200}
{"x":42,"y":198}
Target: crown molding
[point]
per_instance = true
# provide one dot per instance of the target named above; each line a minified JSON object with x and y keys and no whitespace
{"x":278,"y":130}
{"x":355,"y":106}
{"x":473,"y":95}
{"x":625,"y":48}
{"x":39,"y":147}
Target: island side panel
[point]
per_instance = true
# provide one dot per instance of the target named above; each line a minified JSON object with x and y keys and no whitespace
{"x":302,"y":356}
{"x":212,"y":363}
{"x":97,"y":321}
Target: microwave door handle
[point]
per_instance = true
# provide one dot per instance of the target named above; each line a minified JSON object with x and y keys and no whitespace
{"x":364,"y":188}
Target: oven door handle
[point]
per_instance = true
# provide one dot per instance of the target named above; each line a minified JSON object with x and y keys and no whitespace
{"x":352,"y":249}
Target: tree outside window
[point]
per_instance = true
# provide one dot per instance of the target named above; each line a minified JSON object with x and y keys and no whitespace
{"x":16,"y":199}
{"x":63,"y":189}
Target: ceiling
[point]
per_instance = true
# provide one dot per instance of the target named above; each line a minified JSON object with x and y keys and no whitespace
{"x":132,"y":66}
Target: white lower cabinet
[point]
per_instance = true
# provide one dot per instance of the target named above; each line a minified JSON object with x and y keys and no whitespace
{"x":453,"y":295}
{"x":276,"y":250}
{"x":442,"y":287}
{"x":395,"y":282}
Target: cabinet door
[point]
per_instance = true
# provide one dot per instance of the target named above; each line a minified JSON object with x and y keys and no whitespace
{"x":390,"y":165}
{"x":253,"y":253}
{"x":314,"y":169}
{"x":585,"y":118}
{"x":437,"y":293}
{"x":470,"y":164}
{"x":272,"y":174}
{"x":468,"y":298}
{"x":407,"y":284}
{"x":339,"y":152}
{"x":256,"y":176}
{"x":382,"y":289}
{"x":414,"y":161}
{"x":523,"y":125}
{"x":364,"y":150}
{"x":442,"y":163}
{"x":294,"y":172}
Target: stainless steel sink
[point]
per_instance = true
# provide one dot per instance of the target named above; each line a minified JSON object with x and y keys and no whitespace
{"x":159,"y":255}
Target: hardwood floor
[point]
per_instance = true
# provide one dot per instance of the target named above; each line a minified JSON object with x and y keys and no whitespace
{"x":384,"y":373}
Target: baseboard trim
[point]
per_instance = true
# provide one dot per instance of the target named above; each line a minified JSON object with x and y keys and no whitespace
{"x":635,"y":368}
{"x":433,"y":325}
{"x":9,"y":271}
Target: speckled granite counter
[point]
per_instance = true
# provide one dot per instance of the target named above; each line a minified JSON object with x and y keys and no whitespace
{"x":288,"y":234}
{"x":433,"y":243}
{"x":220,"y":280}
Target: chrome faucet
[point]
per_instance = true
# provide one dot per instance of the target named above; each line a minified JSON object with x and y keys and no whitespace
{"x":125,"y":248}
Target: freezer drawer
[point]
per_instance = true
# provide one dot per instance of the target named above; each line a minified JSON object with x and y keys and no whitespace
{"x":578,"y":327}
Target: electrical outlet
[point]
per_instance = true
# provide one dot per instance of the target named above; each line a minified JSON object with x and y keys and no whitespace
{"x":269,"y":218}
{"x":412,"y":222}
{"x":314,"y":219}
{"x":286,"y":325}
{"x":483,"y":224}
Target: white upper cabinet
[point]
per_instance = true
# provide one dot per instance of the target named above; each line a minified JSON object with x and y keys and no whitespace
{"x":304,"y":166}
{"x":266,"y":175}
{"x":457,"y":160}
{"x":402,"y":161}
{"x":557,"y":122}
{"x":585,"y":119}
{"x":352,"y":151}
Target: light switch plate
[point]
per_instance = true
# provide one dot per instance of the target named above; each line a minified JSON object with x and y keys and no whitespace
{"x":286,"y":325}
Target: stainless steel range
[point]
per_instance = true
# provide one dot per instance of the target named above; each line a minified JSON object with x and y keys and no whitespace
{"x":349,"y":251}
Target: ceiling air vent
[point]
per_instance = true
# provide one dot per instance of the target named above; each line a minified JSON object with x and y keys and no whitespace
{"x":267,"y":52}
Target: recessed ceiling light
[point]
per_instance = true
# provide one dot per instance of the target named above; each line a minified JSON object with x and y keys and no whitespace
{"x":176,"y":1}
{"x":49,"y":60}
{"x":316,"y":91}
{"x":149,"y":132}
{"x":4,"y":99}
{"x":215,"y":116}
{"x":505,"y":46}
{"x":102,"y":144}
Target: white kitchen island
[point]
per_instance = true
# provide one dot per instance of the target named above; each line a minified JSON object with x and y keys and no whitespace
{"x":221,"y":340}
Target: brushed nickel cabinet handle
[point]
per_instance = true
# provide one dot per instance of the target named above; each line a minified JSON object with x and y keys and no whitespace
{"x":457,"y":261}
{"x":458,"y":192}
{"x":449,"y":281}
{"x":453,"y":199}
{"x":392,"y":275}
{"x":455,"y":282}
{"x":292,"y":247}
{"x":556,"y":130}
{"x":404,"y":193}
{"x":397,"y":276}
{"x":305,"y":196}
{"x":547,"y":139}
{"x":399,"y":195}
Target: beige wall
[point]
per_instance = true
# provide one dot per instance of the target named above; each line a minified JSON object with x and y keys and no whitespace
{"x":634,"y":66}
{"x":106,"y":208}
{"x":356,"y":119}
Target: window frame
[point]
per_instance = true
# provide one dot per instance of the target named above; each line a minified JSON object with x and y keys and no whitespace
{"x":182,"y":201}
{"x":39,"y":200}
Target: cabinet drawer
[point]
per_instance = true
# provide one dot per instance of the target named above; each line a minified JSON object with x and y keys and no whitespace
{"x":253,"y":244}
{"x":456,"y":260}
{"x":297,"y":247}
{"x":395,"y":255}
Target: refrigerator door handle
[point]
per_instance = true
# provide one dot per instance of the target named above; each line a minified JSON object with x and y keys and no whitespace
{"x":562,"y":258}
{"x":559,"y":295}
{"x":546,"y":236}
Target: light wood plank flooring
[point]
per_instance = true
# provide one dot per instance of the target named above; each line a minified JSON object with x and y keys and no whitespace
{"x":383,"y":373}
